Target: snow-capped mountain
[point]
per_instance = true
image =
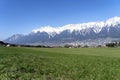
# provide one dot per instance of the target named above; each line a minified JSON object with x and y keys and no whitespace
{"x":71,"y":32}
{"x":96,"y":26}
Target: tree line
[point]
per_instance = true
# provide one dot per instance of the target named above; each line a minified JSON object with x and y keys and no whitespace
{"x":113,"y":44}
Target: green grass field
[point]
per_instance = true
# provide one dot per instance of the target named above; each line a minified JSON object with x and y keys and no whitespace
{"x":59,"y":63}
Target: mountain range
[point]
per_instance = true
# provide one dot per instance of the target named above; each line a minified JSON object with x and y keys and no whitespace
{"x":70,"y":33}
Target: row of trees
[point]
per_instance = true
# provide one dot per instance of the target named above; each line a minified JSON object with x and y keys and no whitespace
{"x":74,"y":46}
{"x":18,"y":45}
{"x":114,"y":44}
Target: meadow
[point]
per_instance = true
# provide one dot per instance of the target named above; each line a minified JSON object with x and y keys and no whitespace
{"x":59,"y":63}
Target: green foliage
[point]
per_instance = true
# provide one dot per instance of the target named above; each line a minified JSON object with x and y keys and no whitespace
{"x":59,"y":63}
{"x":67,"y":46}
{"x":111,"y":45}
{"x":115,"y":44}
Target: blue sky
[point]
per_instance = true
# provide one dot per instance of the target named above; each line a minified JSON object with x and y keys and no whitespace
{"x":22,"y":16}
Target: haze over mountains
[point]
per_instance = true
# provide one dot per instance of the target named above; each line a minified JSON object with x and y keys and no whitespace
{"x":91,"y":31}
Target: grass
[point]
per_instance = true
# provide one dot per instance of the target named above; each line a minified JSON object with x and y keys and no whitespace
{"x":59,"y":63}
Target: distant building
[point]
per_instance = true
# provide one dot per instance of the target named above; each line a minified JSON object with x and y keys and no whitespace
{"x":8,"y":45}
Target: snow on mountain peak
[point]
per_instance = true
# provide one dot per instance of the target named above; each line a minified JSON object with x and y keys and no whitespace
{"x":96,"y":26}
{"x":45,"y":29}
{"x":113,"y":21}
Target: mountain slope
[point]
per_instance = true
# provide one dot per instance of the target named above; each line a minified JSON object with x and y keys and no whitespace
{"x":70,"y":33}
